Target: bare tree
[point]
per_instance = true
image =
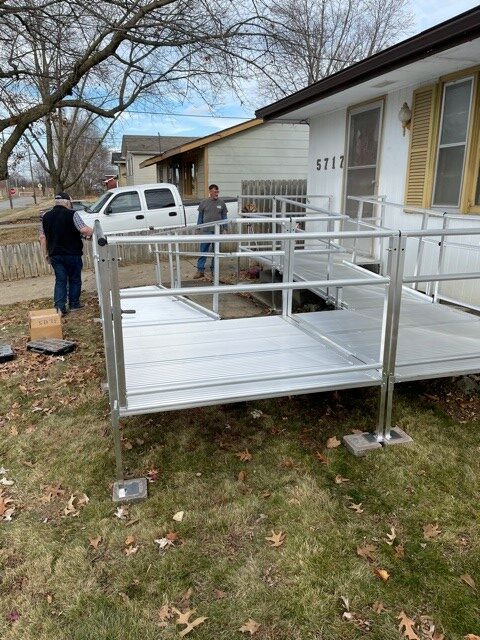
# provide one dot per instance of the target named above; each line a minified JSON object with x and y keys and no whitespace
{"x":120,"y":50}
{"x":310,"y":39}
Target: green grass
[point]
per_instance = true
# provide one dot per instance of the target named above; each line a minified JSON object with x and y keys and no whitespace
{"x":54,"y":428}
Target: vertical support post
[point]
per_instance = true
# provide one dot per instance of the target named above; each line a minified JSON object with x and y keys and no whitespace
{"x":216,"y":267}
{"x":109,"y":344}
{"x":391,"y":337}
{"x":158,"y":266}
{"x":359,"y":220}
{"x":287,"y":276}
{"x":441,"y":256}
{"x":117,"y":326}
{"x":238,"y":226}
{"x":178,"y":266}
{"x":170,"y":264}
{"x":421,"y":245}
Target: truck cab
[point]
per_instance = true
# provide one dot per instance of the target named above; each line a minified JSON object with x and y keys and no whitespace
{"x":137,"y":208}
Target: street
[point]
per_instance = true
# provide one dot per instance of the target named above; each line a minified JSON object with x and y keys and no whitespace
{"x":19,"y":202}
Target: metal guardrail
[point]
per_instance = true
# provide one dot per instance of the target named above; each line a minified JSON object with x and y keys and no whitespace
{"x":106,"y":260}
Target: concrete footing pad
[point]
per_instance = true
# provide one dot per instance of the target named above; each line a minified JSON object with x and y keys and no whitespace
{"x":397,"y":436}
{"x":130,"y":490}
{"x":361,"y":443}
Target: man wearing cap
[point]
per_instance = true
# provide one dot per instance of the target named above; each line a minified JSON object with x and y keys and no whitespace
{"x":61,"y":239}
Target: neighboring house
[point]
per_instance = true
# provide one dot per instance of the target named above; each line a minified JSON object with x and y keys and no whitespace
{"x":252,"y":150}
{"x":358,"y":145}
{"x":119,"y":162}
{"x":137,"y":149}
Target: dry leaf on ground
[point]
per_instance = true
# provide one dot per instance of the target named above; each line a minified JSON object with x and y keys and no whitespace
{"x":471,"y":636}
{"x":379,"y":607}
{"x":399,"y":551}
{"x":276,"y":539}
{"x":245,"y":456}
{"x":467,"y":578}
{"x":356,"y":507}
{"x":219,"y":594}
{"x":164,"y":615}
{"x":391,"y":536}
{"x":250,"y":627}
{"x":178,"y":517}
{"x":131,"y":550}
{"x":94,"y":542}
{"x":431,"y":531}
{"x":183,"y":618}
{"x":382,"y":574}
{"x":333,"y":442}
{"x":242,"y":475}
{"x":406,"y":626}
{"x":163,"y":543}
{"x":367,"y":551}
{"x":121,"y":513}
{"x":340,"y":479}
{"x":321,"y":458}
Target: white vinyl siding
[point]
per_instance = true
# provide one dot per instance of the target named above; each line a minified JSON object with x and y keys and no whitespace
{"x":135,"y":174}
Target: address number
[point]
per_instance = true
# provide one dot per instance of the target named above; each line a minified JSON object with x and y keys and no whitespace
{"x":329,"y":163}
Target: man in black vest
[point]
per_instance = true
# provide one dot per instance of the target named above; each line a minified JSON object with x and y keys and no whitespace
{"x":61,"y":238}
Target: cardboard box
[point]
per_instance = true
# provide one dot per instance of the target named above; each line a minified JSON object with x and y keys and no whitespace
{"x":45,"y":323}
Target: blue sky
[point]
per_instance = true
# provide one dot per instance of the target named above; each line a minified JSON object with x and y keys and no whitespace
{"x":193,"y":121}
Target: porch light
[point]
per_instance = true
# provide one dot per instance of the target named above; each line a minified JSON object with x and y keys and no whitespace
{"x":405,"y":116}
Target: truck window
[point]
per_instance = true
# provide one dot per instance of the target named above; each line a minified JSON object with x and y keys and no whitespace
{"x":159,"y":198}
{"x":124,"y":202}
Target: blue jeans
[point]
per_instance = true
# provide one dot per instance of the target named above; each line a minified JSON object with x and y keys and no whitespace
{"x":68,"y":281}
{"x":205,"y":248}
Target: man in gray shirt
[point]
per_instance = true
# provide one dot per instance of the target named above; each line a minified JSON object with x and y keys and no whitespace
{"x":210,"y":210}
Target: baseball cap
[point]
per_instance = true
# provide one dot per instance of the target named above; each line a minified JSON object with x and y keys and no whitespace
{"x":63,"y":195}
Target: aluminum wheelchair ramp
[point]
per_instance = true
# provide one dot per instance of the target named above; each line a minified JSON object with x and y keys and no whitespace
{"x":197,"y":364}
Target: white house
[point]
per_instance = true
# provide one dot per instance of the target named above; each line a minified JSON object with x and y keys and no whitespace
{"x":253,"y":150}
{"x":359,"y":146}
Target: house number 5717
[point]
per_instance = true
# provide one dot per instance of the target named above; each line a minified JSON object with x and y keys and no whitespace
{"x":329,"y":163}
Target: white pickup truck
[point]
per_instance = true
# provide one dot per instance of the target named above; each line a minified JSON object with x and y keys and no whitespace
{"x":145,"y":206}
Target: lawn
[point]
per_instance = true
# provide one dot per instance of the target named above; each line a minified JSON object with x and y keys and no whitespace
{"x":284,"y":534}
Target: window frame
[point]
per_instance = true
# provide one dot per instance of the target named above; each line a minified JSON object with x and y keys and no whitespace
{"x":471,"y":170}
{"x":438,"y":146}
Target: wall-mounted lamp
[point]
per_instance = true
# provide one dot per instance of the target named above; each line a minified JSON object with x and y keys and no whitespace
{"x":405,"y":116}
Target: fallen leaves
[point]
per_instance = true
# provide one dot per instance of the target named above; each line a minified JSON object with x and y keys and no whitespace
{"x":382,"y":574}
{"x":178,"y":517}
{"x":245,"y":456}
{"x":340,"y":479}
{"x":75,"y":503}
{"x":276,"y":539}
{"x":95,"y":542}
{"x":121,"y":513}
{"x":358,"y":508}
{"x":242,"y":476}
{"x":366,"y":552}
{"x":184,"y":619}
{"x":321,"y":458}
{"x":52,"y":491}
{"x":405,"y":626}
{"x":431,"y":531}
{"x":333,"y":442}
{"x":467,"y":578}
{"x":250,"y":627}
{"x":391,"y":537}
{"x":130,"y":547}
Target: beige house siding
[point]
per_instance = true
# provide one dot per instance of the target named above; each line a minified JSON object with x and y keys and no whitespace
{"x":135,"y":175}
{"x":266,"y":152}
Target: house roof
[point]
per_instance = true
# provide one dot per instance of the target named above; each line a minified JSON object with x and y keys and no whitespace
{"x":451,"y":33}
{"x":152,"y":144}
{"x":202,"y":142}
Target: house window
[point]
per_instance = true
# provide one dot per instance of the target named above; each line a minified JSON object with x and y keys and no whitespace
{"x":444,"y":155}
{"x":452,"y":145}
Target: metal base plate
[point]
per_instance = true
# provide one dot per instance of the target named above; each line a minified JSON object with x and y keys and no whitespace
{"x":130,"y":490}
{"x":361,"y":443}
{"x":397,"y":436}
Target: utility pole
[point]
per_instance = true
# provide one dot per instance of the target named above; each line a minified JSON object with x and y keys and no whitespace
{"x":31,"y":175}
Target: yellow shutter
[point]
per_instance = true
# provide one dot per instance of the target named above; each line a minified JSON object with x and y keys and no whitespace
{"x":420,"y":157}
